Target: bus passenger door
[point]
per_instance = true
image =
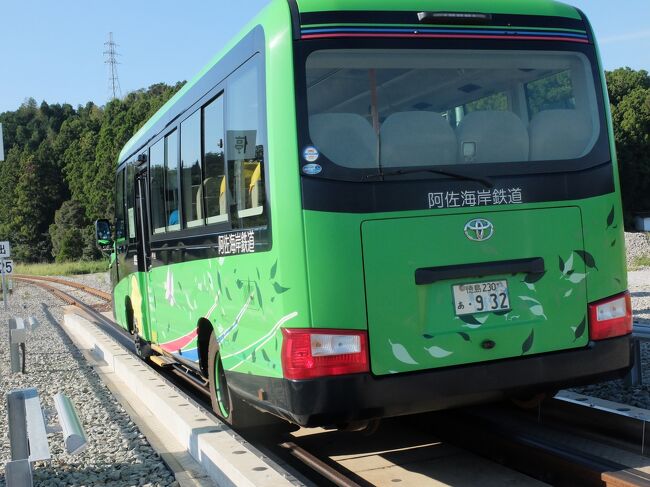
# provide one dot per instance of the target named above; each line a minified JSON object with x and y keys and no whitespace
{"x":142,"y":256}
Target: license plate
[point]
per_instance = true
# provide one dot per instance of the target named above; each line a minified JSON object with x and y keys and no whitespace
{"x":481,"y":297}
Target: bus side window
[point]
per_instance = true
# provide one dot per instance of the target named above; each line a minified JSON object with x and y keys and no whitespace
{"x":191,"y":175}
{"x":119,"y":208}
{"x":171,"y":181}
{"x":214,"y":184}
{"x":245,"y":147}
{"x":157,"y":186}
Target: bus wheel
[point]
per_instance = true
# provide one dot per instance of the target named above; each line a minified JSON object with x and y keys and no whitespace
{"x":229,"y":407}
{"x":222,"y":403}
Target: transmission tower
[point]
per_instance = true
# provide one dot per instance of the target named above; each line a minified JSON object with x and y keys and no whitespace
{"x":111,"y":59}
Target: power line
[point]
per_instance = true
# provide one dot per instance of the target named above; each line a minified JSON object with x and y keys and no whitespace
{"x":111,"y":59}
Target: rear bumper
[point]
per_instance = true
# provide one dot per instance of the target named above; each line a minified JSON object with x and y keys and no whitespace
{"x":335,"y":400}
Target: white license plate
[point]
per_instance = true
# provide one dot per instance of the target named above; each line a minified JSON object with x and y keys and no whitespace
{"x":481,"y":297}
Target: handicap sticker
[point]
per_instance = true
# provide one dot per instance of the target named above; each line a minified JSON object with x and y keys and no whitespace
{"x":312,"y":169}
{"x":310,"y":154}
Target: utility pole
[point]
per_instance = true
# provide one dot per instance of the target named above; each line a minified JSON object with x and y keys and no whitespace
{"x":111,"y":59}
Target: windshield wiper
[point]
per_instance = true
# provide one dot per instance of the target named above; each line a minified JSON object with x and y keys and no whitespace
{"x":484,"y":181}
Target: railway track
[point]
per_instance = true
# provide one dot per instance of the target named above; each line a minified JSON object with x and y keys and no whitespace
{"x":520,"y":443}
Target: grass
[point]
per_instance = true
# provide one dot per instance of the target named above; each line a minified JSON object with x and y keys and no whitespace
{"x":62,"y":269}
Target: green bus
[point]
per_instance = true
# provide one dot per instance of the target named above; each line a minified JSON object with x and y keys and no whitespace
{"x":369,"y":209}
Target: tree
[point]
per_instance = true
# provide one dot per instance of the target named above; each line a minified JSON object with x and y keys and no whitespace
{"x":630,"y":105}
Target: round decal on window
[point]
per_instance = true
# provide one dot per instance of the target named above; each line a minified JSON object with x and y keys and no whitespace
{"x":310,"y":154}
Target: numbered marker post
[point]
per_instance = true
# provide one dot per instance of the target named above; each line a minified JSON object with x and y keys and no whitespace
{"x":6,"y":267}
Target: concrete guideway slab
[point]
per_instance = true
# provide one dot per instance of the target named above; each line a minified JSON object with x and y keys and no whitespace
{"x":211,"y":443}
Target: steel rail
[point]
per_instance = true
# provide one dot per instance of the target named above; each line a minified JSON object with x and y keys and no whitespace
{"x":95,"y":292}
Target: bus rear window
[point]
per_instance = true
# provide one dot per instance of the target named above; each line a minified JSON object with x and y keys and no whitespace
{"x":411,"y":108}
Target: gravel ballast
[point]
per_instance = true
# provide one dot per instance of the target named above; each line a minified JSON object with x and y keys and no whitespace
{"x":117,"y":454}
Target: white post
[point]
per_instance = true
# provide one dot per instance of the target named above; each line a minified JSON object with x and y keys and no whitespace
{"x":5,"y":292}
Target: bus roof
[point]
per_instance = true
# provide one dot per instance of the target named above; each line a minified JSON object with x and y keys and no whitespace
{"x":512,"y":7}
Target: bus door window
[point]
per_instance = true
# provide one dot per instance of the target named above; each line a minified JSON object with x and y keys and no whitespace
{"x":245,"y":147}
{"x":191,"y":175}
{"x":171,"y":181}
{"x":157,"y":187}
{"x":214,"y":184}
{"x":120,"y":231}
{"x":130,"y":201}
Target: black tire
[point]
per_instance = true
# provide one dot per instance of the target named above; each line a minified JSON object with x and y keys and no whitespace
{"x":225,"y":404}
{"x":220,"y":397}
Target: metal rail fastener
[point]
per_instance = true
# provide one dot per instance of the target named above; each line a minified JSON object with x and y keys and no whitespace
{"x":17,"y":339}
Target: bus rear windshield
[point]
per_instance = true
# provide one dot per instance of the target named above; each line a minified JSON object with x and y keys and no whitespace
{"x":393,"y":108}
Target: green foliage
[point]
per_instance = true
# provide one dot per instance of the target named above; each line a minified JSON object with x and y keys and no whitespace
{"x":552,"y":92}
{"x":57,"y":154}
{"x":630,"y":104}
{"x":62,"y":269}
{"x":66,"y":232}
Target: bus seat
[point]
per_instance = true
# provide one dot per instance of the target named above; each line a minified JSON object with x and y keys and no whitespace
{"x":417,"y":139}
{"x":559,"y":134}
{"x":213,"y":192}
{"x":254,"y":186}
{"x":492,"y":136}
{"x":347,"y":139}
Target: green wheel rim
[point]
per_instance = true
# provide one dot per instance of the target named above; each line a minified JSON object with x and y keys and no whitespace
{"x":221,"y":388}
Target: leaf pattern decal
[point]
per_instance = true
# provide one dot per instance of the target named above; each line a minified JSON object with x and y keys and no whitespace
{"x":587,"y":258}
{"x":577,"y":278}
{"x":239,"y":283}
{"x":259,"y":296}
{"x":536,"y":309}
{"x":279,"y":289}
{"x":228,"y":295}
{"x":465,"y":336}
{"x":533,"y":277}
{"x":235,"y":335}
{"x":568,"y":266}
{"x":610,"y":218}
{"x":470,"y":320}
{"x":568,"y":293}
{"x":428,"y":337}
{"x":528,"y":344}
{"x":613,"y":243}
{"x":437,"y":352}
{"x":401,"y":354}
{"x":502,"y":312}
{"x":561,"y":265}
{"x":266,"y":356}
{"x":274,"y":269}
{"x":219,"y":279}
{"x":580,"y":330}
{"x":259,"y":276}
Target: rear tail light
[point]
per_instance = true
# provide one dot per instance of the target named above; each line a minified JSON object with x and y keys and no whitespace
{"x":309,"y":353}
{"x":610,"y":317}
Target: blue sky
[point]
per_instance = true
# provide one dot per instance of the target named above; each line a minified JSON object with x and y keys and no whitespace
{"x":53,"y":50}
